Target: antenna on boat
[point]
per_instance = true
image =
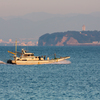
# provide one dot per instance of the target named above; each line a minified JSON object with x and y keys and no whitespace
{"x":16,"y":46}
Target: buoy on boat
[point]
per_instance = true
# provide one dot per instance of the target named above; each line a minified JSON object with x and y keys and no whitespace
{"x":9,"y":61}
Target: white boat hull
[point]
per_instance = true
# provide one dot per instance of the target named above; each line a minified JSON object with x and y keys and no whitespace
{"x":31,"y":62}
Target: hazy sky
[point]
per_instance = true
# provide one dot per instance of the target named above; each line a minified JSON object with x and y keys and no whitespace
{"x":21,"y":7}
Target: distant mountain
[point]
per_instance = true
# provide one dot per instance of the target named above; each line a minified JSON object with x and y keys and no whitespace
{"x":70,"y":38}
{"x":96,"y":14}
{"x":17,"y":28}
{"x":40,"y":16}
{"x":36,"y":24}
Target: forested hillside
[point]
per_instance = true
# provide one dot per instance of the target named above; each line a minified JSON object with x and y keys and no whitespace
{"x":70,"y":38}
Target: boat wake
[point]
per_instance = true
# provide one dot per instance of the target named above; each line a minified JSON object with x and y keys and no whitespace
{"x":62,"y":62}
{"x":1,"y":62}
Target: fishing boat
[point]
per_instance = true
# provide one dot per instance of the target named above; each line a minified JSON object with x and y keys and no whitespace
{"x":29,"y":58}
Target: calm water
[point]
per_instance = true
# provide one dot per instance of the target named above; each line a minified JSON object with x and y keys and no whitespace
{"x":79,"y":80}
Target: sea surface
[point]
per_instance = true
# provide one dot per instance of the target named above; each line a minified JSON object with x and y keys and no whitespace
{"x":77,"y":78}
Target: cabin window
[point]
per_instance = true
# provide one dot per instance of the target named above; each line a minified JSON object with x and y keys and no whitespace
{"x":32,"y":54}
{"x":24,"y":59}
{"x":28,"y":54}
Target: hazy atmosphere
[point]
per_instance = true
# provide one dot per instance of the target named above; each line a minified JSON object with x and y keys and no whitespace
{"x":33,"y":18}
{"x":49,"y":49}
{"x":21,"y":7}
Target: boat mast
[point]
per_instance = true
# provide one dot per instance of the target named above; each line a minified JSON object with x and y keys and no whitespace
{"x":16,"y":47}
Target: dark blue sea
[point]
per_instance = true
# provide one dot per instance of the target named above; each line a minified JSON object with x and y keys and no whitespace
{"x":77,"y":80}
